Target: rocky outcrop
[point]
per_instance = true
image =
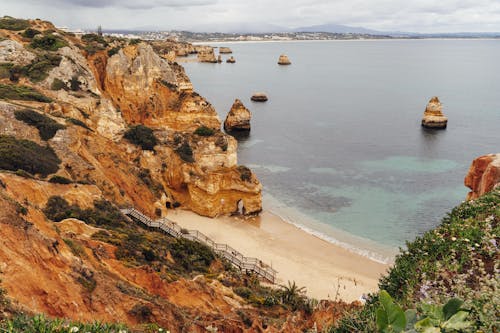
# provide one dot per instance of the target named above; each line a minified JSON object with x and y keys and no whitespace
{"x":283,"y":60}
{"x":433,"y":115}
{"x":259,"y":97}
{"x":483,"y":175}
{"x":219,"y":59}
{"x":207,"y":55}
{"x":225,"y":50}
{"x":238,"y":118}
{"x":231,"y":60}
{"x":12,"y":51}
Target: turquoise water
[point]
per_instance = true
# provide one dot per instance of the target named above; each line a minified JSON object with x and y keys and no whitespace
{"x":339,"y":143}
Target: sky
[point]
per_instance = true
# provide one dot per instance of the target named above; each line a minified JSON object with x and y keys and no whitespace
{"x":427,"y":16}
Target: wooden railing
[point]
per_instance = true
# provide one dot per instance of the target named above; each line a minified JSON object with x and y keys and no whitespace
{"x":247,"y":264}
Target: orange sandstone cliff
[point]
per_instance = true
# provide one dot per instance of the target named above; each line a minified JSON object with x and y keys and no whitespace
{"x":483,"y":175}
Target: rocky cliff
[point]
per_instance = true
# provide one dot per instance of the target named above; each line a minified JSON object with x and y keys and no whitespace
{"x":483,"y":175}
{"x":89,"y":124}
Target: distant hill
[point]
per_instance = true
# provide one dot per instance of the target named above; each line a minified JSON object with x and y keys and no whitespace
{"x":338,"y":28}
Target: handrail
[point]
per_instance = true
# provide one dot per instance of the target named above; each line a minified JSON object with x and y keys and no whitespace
{"x":248,"y":264}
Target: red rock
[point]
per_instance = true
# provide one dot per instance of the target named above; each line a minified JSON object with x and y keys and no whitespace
{"x":483,"y":175}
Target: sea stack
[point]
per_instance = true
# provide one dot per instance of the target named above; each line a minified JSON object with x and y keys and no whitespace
{"x":231,"y":60}
{"x":483,"y":175}
{"x":433,"y":115}
{"x":283,"y":60}
{"x":219,"y":59}
{"x":238,"y":118}
{"x":207,"y":55}
{"x":225,"y":50}
{"x":259,"y":97}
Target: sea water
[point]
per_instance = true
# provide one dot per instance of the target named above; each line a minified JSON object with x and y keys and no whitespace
{"x":339,"y":148}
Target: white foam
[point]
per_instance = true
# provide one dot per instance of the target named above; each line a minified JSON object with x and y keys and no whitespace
{"x":364,"y":247}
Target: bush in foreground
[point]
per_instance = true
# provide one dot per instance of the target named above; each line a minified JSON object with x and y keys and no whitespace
{"x":27,"y":156}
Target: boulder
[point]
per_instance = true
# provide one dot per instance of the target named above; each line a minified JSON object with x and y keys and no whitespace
{"x":207,"y":55}
{"x":231,"y":60}
{"x":259,"y":97}
{"x":433,"y":115}
{"x":483,"y":175}
{"x":283,"y":60}
{"x":225,"y":50}
{"x":238,"y":118}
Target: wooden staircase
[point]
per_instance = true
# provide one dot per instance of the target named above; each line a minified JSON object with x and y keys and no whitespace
{"x":246,"y":264}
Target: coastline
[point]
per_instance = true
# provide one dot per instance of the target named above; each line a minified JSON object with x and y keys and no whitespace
{"x":335,"y":40}
{"x":327,"y":270}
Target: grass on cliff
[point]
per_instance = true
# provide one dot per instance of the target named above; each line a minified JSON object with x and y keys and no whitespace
{"x":24,"y":93}
{"x":136,"y":246}
{"x":42,"y":324}
{"x":142,"y":136}
{"x":11,"y":23}
{"x":459,"y":258}
{"x":48,"y":42}
{"x":27,"y":156}
{"x":47,"y":127}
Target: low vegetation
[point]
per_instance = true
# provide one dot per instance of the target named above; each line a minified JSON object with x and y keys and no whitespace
{"x":48,"y":42}
{"x":27,"y":156}
{"x":142,"y":136}
{"x":204,"y":131}
{"x":10,"y":23}
{"x":30,"y":33}
{"x":47,"y":127}
{"x":458,"y":259}
{"x":39,"y":68}
{"x":78,"y":122}
{"x":185,"y":152}
{"x":245,"y":173}
{"x":60,"y":180}
{"x":24,"y":93}
{"x":40,"y":323}
{"x":58,"y":84}
{"x":135,"y":245}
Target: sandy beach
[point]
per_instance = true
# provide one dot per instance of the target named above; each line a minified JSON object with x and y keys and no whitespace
{"x":326,"y":270}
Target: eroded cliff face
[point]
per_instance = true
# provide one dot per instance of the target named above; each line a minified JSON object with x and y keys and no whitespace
{"x":483,"y":175}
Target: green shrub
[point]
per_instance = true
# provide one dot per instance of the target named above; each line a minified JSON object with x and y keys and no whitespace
{"x":134,"y":41}
{"x":28,"y":156}
{"x":47,"y":127}
{"x":93,"y":38}
{"x":113,"y":51}
{"x":192,"y":256}
{"x":245,"y":173}
{"x":74,"y":83}
{"x":78,"y":122}
{"x":204,"y":131}
{"x":40,"y":323}
{"x":58,"y":84}
{"x":48,"y":42}
{"x":38,"y":69}
{"x":10,"y":23}
{"x":5,"y":69}
{"x":141,"y":311}
{"x":9,"y":91}
{"x":243,"y":292}
{"x":60,"y":180}
{"x":142,"y":136}
{"x":185,"y":152}
{"x":76,"y":248}
{"x":30,"y":33}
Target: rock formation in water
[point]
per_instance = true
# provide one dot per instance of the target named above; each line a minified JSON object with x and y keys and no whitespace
{"x":259,"y":97}
{"x":207,"y":55}
{"x":483,"y":175}
{"x":231,"y":60}
{"x":219,"y":59}
{"x":283,"y":60}
{"x":238,"y":118}
{"x":225,"y":50}
{"x":433,"y":115}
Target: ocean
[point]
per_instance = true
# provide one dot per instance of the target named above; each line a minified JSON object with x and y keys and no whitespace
{"x":339,"y":148}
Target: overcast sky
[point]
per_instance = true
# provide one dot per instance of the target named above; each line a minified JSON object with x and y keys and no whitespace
{"x":385,"y":15}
